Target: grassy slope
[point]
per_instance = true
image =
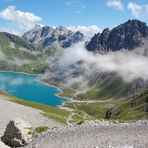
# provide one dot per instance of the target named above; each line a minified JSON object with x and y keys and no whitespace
{"x":130,"y":109}
{"x":95,"y":109}
{"x":135,"y":107}
{"x":57,"y":114}
{"x":52,"y":113}
{"x":6,"y":39}
{"x":111,"y":86}
{"x":36,"y":63}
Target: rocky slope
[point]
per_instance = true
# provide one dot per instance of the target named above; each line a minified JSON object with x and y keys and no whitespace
{"x":60,"y":37}
{"x":129,"y":36}
{"x":31,"y":115}
{"x":95,"y":134}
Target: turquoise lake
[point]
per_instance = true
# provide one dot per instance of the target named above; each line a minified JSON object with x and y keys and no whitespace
{"x":30,"y":88}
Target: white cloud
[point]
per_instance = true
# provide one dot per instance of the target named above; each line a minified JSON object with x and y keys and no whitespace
{"x":123,"y":62}
{"x":19,"y":19}
{"x":88,"y":31}
{"x":9,"y":29}
{"x":135,"y":9}
{"x":116,"y":4}
{"x":77,"y":5}
{"x":138,"y":11}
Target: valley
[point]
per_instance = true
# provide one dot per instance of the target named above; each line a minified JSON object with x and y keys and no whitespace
{"x":22,"y":55}
{"x":73,"y":74}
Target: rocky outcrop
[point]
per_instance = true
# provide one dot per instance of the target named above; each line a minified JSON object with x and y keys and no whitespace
{"x":60,"y":37}
{"x":18,"y":133}
{"x":125,"y":36}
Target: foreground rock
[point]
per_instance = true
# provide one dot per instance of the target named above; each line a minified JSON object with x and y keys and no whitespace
{"x":18,"y":133}
{"x":96,"y":134}
{"x":10,"y":111}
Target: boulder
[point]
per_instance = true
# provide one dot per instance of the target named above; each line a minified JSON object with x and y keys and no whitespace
{"x":17,"y":133}
{"x":108,"y":114}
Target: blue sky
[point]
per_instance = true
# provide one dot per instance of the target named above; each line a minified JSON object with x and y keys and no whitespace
{"x":102,"y":13}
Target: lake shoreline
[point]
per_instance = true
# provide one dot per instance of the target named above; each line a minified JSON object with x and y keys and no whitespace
{"x":47,"y":84}
{"x":19,"y":72}
{"x":59,"y":89}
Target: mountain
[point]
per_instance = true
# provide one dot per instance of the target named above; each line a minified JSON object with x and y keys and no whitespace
{"x":129,"y":36}
{"x":81,"y":80}
{"x":88,"y":82}
{"x":6,"y":38}
{"x":16,"y":54}
{"x":22,"y":54}
{"x":60,"y":37}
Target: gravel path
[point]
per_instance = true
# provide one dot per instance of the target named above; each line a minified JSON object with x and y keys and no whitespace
{"x":95,"y":134}
{"x":10,"y":111}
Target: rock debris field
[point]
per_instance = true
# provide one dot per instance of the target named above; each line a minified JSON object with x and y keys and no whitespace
{"x":95,"y":134}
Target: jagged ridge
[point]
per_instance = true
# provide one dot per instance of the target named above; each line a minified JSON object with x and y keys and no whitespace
{"x":60,"y":37}
{"x":125,"y":36}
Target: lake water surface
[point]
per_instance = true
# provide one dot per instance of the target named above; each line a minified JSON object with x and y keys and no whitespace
{"x":30,"y":88}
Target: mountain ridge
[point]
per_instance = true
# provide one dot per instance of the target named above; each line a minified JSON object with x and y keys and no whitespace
{"x":59,"y":37}
{"x":16,"y":54}
{"x":128,"y":35}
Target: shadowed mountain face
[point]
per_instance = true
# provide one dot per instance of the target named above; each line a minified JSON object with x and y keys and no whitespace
{"x":128,"y":36}
{"x":60,"y":37}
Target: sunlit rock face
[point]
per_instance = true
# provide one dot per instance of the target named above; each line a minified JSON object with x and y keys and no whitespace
{"x":129,"y":36}
{"x":59,"y":37}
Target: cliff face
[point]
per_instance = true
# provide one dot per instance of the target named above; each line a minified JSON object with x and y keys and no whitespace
{"x":128,"y":36}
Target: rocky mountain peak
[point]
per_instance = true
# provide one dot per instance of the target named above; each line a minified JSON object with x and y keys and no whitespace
{"x":125,"y":36}
{"x":46,"y":30}
{"x":61,"y":28}
{"x":106,"y":30}
{"x":37,"y":27}
{"x":60,"y":37}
